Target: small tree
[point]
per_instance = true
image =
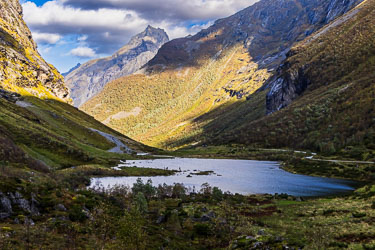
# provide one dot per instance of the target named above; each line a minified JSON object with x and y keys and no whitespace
{"x":141,"y":203}
{"x":217,"y":194}
{"x":131,"y":233}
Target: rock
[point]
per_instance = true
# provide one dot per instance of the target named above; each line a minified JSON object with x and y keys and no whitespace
{"x":22,"y":203}
{"x":60,"y":207}
{"x":21,"y":55}
{"x":250,"y":238}
{"x":160,"y":219}
{"x":86,"y":212}
{"x":204,"y":210}
{"x":211,"y":215}
{"x":261,"y":232}
{"x":257,"y":245}
{"x":29,"y":222}
{"x":5,"y":207}
{"x":34,"y":205}
{"x":205,"y":218}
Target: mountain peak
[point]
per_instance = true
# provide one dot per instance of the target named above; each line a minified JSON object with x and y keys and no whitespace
{"x":150,"y":31}
{"x":90,"y":78}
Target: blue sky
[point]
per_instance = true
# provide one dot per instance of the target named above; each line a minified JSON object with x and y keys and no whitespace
{"x":74,"y":31}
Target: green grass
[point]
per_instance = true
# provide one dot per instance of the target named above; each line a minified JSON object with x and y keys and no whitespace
{"x":58,"y":135}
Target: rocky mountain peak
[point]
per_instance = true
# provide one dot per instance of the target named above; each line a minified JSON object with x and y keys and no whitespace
{"x":90,"y":78}
{"x":151,"y":38}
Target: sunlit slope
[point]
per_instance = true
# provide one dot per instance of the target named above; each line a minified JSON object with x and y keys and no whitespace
{"x":22,"y":69}
{"x":54,"y":134}
{"x":330,"y":79}
{"x":207,"y":79}
{"x":167,"y":103}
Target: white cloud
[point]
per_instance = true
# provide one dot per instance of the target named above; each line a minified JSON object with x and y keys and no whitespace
{"x":170,"y":9}
{"x":83,"y":52}
{"x":46,"y":38}
{"x":108,"y":24}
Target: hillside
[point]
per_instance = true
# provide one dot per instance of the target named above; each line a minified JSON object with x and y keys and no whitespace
{"x":86,"y":80}
{"x":23,"y":69}
{"x":38,"y":130}
{"x":212,"y":78}
{"x":326,"y":89}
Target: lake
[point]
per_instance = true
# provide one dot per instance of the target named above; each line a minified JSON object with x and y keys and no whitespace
{"x":235,"y":176}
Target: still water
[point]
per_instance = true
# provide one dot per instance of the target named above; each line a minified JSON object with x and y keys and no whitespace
{"x":235,"y":176}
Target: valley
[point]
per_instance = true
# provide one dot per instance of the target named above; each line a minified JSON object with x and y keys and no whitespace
{"x":255,"y":133}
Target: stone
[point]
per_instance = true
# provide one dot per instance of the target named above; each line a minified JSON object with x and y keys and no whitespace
{"x":251,"y":238}
{"x":34,"y":205}
{"x":211,"y":214}
{"x":60,"y":207}
{"x":5,"y":207}
{"x":160,"y":219}
{"x":258,"y":245}
{"x":205,"y":218}
{"x":261,"y":232}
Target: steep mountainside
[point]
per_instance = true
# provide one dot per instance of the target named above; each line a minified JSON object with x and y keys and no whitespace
{"x":90,"y":78}
{"x":212,"y":78}
{"x":37,"y":129}
{"x":71,"y":70}
{"x":327,"y":86}
{"x":22,"y":69}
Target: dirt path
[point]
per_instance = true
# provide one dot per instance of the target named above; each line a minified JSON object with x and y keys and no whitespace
{"x":120,"y":148}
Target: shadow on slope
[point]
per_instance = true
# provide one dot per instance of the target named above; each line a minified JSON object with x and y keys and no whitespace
{"x":55,"y":134}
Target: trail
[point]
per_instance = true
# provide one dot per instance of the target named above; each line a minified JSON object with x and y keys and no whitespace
{"x":120,"y":148}
{"x":311,"y":157}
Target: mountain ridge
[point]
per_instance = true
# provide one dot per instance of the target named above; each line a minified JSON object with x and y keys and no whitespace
{"x":89,"y":79}
{"x":221,"y":66}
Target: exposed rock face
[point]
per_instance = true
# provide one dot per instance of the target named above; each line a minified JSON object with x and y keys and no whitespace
{"x":21,"y":67}
{"x":91,"y":77}
{"x":291,"y":81}
{"x":268,"y":29}
{"x":10,"y":200}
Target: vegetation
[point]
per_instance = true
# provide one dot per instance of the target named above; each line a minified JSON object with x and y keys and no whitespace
{"x":334,"y":116}
{"x":55,"y":134}
{"x":147,"y":217}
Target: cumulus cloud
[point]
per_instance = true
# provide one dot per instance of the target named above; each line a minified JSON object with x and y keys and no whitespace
{"x":169,"y":9}
{"x":83,"y":52}
{"x":107,"y":25}
{"x":46,"y":38}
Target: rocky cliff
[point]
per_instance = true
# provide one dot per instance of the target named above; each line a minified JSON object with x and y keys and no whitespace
{"x":292,"y":77}
{"x":21,"y":67}
{"x":90,"y":78}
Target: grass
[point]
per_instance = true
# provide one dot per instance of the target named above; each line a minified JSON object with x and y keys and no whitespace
{"x":58,"y":135}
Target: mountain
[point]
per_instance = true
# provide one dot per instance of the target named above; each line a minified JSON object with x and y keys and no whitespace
{"x":90,"y":78}
{"x":201,"y":86}
{"x":71,"y":70}
{"x":23,"y":69}
{"x":322,"y":97}
{"x":39,"y":130}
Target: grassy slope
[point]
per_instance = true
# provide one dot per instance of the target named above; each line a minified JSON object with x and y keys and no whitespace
{"x":336,"y":113}
{"x":172,"y":100}
{"x":56,"y":134}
